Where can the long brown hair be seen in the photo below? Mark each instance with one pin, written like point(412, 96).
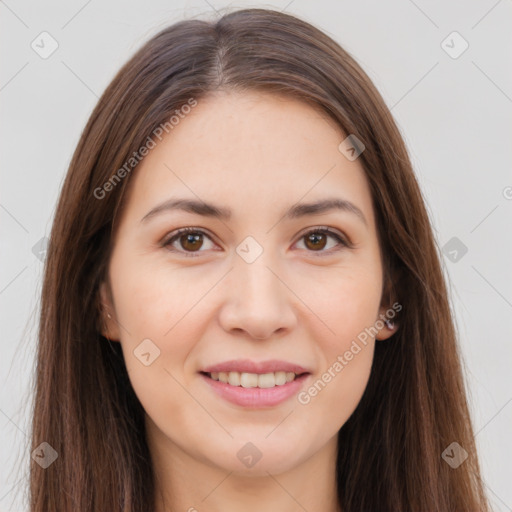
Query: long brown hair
point(415, 403)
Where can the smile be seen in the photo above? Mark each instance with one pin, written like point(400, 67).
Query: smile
point(254, 380)
point(255, 391)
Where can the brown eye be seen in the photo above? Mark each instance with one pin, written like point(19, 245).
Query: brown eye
point(318, 239)
point(188, 241)
point(191, 242)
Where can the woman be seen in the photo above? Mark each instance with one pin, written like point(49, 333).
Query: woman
point(243, 304)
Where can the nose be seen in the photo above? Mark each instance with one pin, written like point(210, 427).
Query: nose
point(258, 301)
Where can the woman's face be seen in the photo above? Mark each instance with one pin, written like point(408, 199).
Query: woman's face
point(250, 295)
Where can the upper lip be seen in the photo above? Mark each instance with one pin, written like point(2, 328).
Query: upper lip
point(248, 366)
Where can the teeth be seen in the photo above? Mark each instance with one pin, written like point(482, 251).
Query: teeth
point(234, 378)
point(254, 380)
point(280, 378)
point(249, 380)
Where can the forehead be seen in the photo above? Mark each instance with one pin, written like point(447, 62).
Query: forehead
point(252, 151)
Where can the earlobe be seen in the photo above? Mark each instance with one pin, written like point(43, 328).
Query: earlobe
point(390, 324)
point(108, 322)
point(387, 326)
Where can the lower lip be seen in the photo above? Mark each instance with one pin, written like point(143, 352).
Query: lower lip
point(256, 397)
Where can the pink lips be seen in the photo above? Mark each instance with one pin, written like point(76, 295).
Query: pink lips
point(256, 398)
point(245, 365)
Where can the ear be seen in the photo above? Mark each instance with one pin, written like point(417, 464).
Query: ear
point(109, 327)
point(387, 323)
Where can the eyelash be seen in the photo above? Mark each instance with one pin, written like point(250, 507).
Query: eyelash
point(319, 230)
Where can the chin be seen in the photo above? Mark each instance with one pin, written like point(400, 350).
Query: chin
point(255, 459)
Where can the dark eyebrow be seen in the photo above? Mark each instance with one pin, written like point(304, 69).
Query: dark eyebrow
point(191, 206)
point(296, 211)
point(324, 206)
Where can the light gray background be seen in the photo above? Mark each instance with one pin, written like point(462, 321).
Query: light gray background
point(454, 114)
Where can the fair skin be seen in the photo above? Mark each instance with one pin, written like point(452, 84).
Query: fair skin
point(299, 301)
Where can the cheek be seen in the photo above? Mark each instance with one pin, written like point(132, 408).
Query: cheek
point(159, 307)
point(335, 391)
point(347, 304)
point(334, 395)
point(165, 307)
point(154, 300)
point(344, 300)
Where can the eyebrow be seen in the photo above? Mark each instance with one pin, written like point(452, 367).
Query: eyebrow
point(296, 211)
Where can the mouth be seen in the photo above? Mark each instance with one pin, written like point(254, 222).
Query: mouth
point(255, 385)
point(253, 390)
point(254, 380)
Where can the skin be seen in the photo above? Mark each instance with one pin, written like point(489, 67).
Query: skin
point(257, 154)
